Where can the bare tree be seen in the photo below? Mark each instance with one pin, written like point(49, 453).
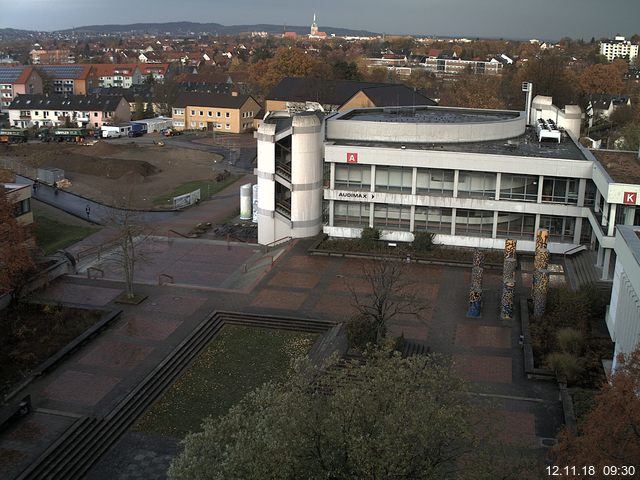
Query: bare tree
point(127, 246)
point(391, 293)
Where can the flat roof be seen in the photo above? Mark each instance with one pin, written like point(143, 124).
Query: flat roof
point(622, 167)
point(426, 114)
point(525, 145)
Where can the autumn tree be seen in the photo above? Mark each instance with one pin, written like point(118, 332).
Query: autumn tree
point(383, 417)
point(610, 434)
point(604, 78)
point(551, 77)
point(473, 91)
point(16, 253)
point(287, 62)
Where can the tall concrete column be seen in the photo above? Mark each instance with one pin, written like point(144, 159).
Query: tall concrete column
point(612, 219)
point(606, 264)
point(540, 185)
point(582, 191)
point(373, 179)
point(456, 177)
point(494, 230)
point(629, 214)
point(453, 221)
point(498, 183)
point(414, 181)
point(577, 232)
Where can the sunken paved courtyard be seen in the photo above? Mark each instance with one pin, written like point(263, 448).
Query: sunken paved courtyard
point(96, 377)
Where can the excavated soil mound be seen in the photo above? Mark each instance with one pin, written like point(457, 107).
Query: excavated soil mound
point(88, 160)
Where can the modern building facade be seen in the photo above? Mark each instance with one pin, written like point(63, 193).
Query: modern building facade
point(473, 177)
point(619, 47)
point(623, 314)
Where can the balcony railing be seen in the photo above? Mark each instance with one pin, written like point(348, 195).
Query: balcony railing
point(283, 207)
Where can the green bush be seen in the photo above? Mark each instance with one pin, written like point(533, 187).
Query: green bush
point(361, 331)
point(423, 242)
point(369, 237)
point(566, 366)
point(570, 340)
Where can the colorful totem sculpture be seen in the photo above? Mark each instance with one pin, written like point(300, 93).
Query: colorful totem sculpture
point(540, 284)
point(475, 291)
point(508, 279)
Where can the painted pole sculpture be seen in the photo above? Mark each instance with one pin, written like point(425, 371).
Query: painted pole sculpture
point(508, 279)
point(540, 286)
point(475, 291)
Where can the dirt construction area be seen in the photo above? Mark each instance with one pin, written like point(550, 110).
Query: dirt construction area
point(108, 172)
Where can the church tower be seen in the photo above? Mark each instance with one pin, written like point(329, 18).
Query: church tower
point(314, 26)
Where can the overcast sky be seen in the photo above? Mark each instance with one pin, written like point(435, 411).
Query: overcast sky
point(518, 19)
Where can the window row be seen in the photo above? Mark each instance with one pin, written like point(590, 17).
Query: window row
point(473, 223)
point(209, 113)
point(431, 181)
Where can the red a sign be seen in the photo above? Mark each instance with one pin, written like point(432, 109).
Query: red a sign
point(352, 157)
point(630, 198)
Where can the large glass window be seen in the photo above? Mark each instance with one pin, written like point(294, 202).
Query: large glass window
point(519, 187)
point(434, 181)
point(476, 184)
point(561, 229)
point(516, 225)
point(433, 219)
point(393, 179)
point(560, 190)
point(474, 223)
point(392, 217)
point(350, 214)
point(353, 176)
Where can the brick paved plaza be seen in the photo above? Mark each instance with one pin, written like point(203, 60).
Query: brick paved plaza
point(485, 350)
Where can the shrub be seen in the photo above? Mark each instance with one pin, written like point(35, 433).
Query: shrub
point(361, 331)
point(369, 236)
point(566, 366)
point(570, 340)
point(423, 242)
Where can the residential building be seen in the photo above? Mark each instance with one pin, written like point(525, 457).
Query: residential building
point(157, 71)
point(619, 47)
point(445, 64)
point(214, 112)
point(54, 110)
point(57, 56)
point(20, 196)
point(68, 79)
point(18, 80)
point(299, 94)
point(623, 313)
point(118, 74)
point(472, 177)
point(601, 106)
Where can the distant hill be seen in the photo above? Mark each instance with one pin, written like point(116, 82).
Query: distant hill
point(185, 28)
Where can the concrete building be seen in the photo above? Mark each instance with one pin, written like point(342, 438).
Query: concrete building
point(623, 313)
point(473, 177)
point(214, 112)
point(619, 47)
point(118, 75)
point(28, 111)
point(569, 117)
point(18, 81)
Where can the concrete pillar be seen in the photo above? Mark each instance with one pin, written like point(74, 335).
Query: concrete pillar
point(596, 206)
point(536, 225)
point(332, 178)
point(606, 264)
point(373, 178)
point(412, 218)
point(453, 221)
point(612, 219)
point(540, 185)
point(577, 233)
point(582, 191)
point(414, 181)
point(605, 214)
point(372, 207)
point(541, 287)
point(494, 231)
point(456, 177)
point(331, 210)
point(600, 256)
point(498, 183)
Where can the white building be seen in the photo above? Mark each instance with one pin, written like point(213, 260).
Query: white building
point(619, 47)
point(473, 177)
point(623, 314)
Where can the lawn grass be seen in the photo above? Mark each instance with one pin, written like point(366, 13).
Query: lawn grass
point(33, 333)
point(52, 235)
point(235, 363)
point(207, 188)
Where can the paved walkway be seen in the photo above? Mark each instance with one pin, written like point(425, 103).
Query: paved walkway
point(95, 378)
